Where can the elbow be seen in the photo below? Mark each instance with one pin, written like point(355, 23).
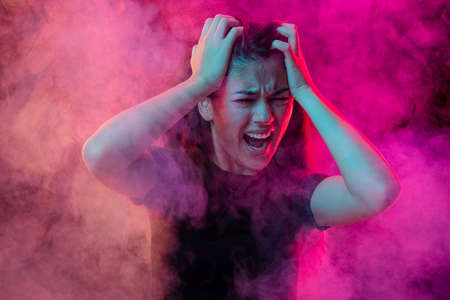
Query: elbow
point(390, 195)
point(382, 197)
point(90, 153)
point(393, 192)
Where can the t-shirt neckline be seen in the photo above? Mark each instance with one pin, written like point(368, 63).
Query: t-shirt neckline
point(233, 175)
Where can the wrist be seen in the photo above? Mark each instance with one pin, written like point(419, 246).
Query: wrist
point(301, 91)
point(198, 87)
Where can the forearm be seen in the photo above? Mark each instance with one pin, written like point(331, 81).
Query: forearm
point(123, 138)
point(366, 173)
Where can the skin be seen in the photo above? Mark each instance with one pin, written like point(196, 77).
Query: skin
point(230, 117)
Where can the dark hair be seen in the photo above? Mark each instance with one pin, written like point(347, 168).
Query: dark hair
point(193, 133)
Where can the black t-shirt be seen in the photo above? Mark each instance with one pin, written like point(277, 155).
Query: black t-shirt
point(248, 230)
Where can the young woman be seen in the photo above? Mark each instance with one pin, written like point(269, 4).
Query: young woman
point(233, 177)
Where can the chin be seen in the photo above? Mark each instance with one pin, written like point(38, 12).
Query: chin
point(257, 165)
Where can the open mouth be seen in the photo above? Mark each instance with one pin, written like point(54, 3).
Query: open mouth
point(257, 142)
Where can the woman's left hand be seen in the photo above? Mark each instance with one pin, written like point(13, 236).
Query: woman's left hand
point(297, 72)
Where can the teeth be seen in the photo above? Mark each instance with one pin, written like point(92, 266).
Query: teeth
point(259, 136)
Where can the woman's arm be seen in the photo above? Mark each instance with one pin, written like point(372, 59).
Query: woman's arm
point(116, 152)
point(123, 138)
point(367, 185)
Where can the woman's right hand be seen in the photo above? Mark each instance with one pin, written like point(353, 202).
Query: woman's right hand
point(210, 57)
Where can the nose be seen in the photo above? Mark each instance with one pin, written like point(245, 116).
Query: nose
point(263, 113)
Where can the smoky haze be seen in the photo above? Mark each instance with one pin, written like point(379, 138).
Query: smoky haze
point(68, 66)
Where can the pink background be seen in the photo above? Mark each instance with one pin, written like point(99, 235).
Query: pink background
point(68, 66)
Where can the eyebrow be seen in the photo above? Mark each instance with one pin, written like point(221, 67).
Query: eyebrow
point(255, 91)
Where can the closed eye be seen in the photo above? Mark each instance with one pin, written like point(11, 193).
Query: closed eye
point(282, 99)
point(276, 99)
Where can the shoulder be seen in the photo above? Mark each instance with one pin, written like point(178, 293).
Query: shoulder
point(305, 181)
point(176, 190)
point(174, 163)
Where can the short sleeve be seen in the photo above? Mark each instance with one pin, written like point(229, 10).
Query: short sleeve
point(313, 181)
point(176, 190)
point(167, 172)
point(301, 204)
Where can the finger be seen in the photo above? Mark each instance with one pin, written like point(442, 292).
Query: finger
point(194, 49)
point(288, 25)
point(205, 27)
point(292, 62)
point(225, 23)
point(285, 48)
point(232, 36)
point(215, 23)
point(292, 36)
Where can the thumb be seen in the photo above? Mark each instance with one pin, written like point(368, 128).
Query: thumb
point(194, 49)
point(286, 49)
point(293, 69)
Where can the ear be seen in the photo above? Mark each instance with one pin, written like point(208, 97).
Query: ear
point(205, 109)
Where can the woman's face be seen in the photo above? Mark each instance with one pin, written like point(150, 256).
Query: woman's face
point(254, 97)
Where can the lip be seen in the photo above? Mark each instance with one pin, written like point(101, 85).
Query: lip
point(261, 131)
point(262, 151)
